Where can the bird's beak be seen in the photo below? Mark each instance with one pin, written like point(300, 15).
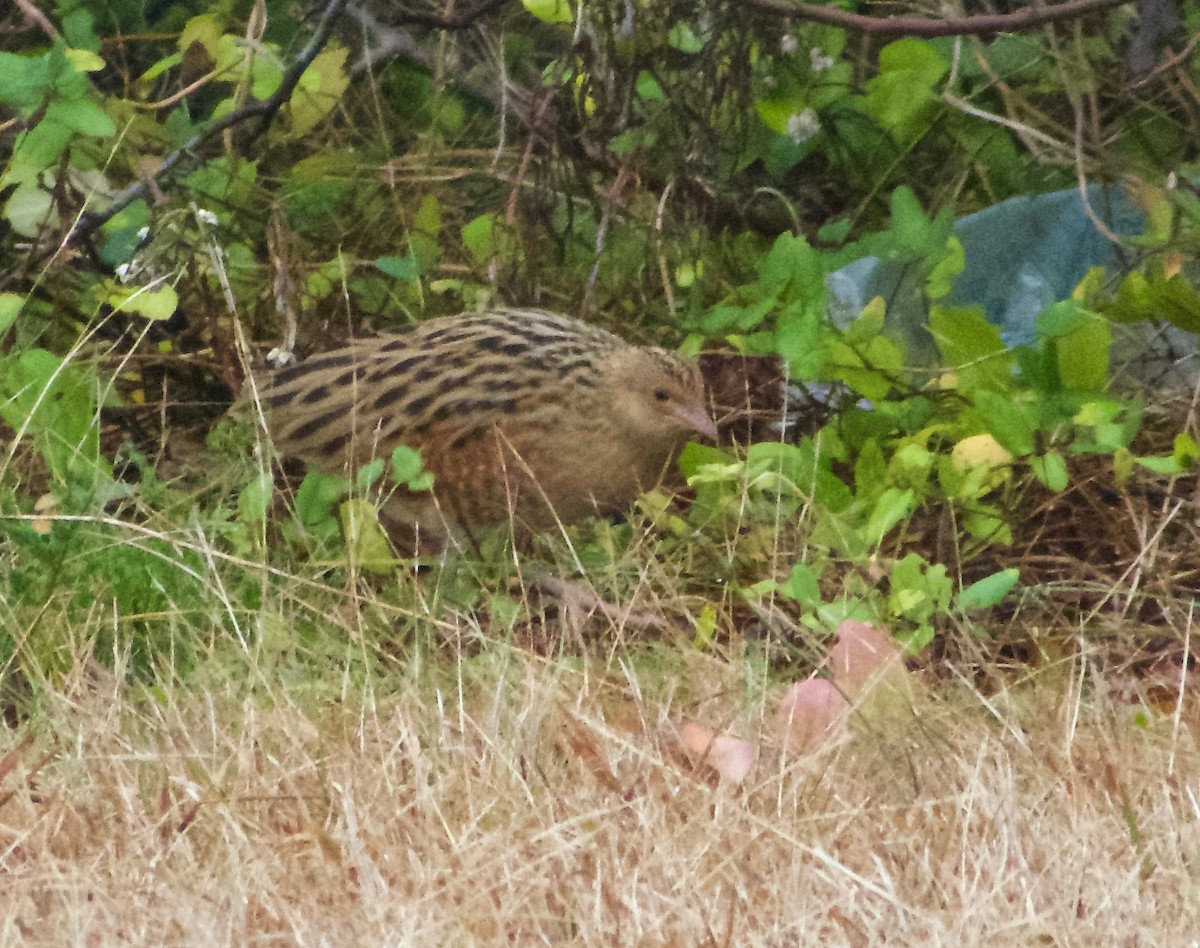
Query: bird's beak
point(697, 418)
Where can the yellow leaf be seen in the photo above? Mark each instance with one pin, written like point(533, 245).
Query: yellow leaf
point(981, 450)
point(84, 60)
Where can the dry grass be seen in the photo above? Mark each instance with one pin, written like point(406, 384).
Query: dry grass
point(535, 800)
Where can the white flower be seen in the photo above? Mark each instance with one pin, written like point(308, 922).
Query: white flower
point(789, 44)
point(207, 217)
point(124, 272)
point(143, 233)
point(818, 61)
point(801, 126)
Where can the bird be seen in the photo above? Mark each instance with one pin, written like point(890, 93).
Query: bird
point(524, 417)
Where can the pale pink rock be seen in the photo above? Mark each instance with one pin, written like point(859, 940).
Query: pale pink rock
point(864, 654)
point(730, 757)
point(810, 713)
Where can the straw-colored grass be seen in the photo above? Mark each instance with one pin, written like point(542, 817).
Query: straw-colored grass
point(506, 797)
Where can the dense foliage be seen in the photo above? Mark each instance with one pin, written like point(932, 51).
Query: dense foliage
point(193, 186)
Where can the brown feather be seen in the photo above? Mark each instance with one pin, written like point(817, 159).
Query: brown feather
point(520, 412)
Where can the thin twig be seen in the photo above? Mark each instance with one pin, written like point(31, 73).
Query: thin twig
point(1169, 63)
point(36, 16)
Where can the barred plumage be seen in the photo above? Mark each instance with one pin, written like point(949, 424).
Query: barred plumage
point(516, 412)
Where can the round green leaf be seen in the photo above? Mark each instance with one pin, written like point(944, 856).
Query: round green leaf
point(151, 302)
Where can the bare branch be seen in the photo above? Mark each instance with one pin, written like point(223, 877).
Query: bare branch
point(34, 15)
point(1021, 21)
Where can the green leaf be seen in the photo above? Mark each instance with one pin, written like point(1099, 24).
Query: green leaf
point(892, 506)
point(919, 590)
point(1154, 296)
point(82, 116)
point(428, 219)
point(10, 305)
point(163, 65)
point(423, 481)
point(367, 546)
point(803, 466)
point(151, 302)
point(870, 367)
point(255, 498)
point(802, 586)
point(54, 401)
point(316, 496)
point(648, 87)
point(402, 268)
point(909, 225)
point(694, 456)
point(1161, 465)
point(29, 208)
point(85, 60)
point(123, 233)
point(986, 525)
point(792, 260)
point(1007, 421)
point(369, 473)
point(24, 81)
point(408, 469)
point(36, 150)
point(78, 29)
point(723, 318)
point(1186, 450)
point(835, 231)
point(481, 237)
point(203, 29)
point(683, 38)
point(972, 348)
point(870, 468)
point(902, 97)
point(988, 591)
point(550, 11)
point(941, 277)
point(798, 338)
point(706, 625)
point(1081, 340)
point(318, 93)
point(1051, 470)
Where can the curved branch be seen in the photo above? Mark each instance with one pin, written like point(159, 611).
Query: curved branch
point(263, 109)
point(1021, 21)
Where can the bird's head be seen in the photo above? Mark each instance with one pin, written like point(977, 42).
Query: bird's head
point(659, 394)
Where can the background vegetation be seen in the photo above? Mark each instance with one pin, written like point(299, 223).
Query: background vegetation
point(195, 188)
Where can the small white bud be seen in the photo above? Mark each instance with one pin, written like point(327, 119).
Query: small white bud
point(789, 44)
point(818, 61)
point(801, 126)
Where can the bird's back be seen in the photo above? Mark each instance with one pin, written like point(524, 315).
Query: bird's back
point(444, 377)
point(493, 401)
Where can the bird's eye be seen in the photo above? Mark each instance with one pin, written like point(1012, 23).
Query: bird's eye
point(662, 395)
